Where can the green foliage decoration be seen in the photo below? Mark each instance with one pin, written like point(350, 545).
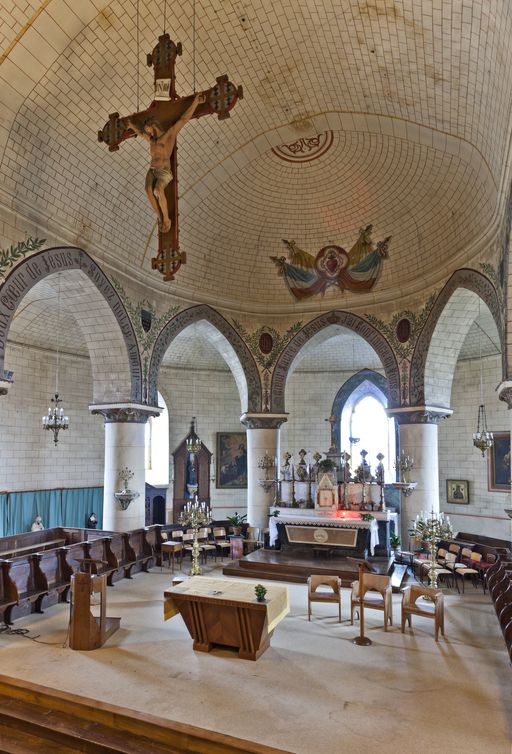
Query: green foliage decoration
point(252, 340)
point(492, 274)
point(146, 339)
point(9, 257)
point(417, 320)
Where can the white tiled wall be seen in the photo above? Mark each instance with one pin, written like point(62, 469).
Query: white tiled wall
point(458, 459)
point(29, 458)
point(212, 397)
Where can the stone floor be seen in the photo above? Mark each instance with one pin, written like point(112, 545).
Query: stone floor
point(312, 692)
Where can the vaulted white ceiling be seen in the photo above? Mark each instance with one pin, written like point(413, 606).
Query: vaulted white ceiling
point(416, 96)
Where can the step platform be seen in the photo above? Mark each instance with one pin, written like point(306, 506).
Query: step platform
point(275, 565)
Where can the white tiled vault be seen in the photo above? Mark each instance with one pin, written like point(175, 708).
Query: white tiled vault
point(416, 93)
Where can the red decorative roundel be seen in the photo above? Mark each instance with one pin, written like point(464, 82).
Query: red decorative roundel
point(266, 343)
point(403, 330)
point(330, 261)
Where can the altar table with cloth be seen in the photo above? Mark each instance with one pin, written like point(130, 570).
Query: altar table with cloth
point(227, 613)
point(345, 530)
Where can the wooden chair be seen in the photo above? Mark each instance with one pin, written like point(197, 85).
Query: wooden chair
point(188, 540)
point(412, 604)
point(377, 596)
point(334, 595)
point(206, 545)
point(221, 542)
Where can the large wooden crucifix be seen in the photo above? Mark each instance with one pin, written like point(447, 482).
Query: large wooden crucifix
point(159, 124)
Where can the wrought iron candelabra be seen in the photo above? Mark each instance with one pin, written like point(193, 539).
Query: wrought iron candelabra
point(431, 529)
point(195, 515)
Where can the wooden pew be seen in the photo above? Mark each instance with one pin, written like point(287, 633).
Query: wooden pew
point(124, 555)
point(57, 572)
point(99, 549)
point(31, 541)
point(29, 583)
point(142, 548)
point(8, 593)
point(155, 539)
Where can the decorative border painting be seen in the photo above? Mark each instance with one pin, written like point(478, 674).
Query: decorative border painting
point(498, 463)
point(457, 491)
point(231, 461)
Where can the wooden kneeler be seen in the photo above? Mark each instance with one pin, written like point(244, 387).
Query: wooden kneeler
point(86, 631)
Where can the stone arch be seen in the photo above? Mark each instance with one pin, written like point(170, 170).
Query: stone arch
point(227, 341)
point(346, 390)
point(344, 319)
point(444, 332)
point(37, 267)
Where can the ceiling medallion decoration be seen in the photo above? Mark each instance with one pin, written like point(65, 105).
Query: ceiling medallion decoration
point(358, 270)
point(305, 149)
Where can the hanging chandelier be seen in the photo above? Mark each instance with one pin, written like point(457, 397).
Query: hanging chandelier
point(192, 441)
point(55, 419)
point(482, 438)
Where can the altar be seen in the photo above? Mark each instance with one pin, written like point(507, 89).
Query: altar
point(346, 532)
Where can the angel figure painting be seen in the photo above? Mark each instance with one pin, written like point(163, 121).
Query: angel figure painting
point(357, 270)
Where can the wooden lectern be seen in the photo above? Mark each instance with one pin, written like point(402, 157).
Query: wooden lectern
point(86, 631)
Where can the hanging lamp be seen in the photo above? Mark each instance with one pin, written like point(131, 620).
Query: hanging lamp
point(55, 419)
point(482, 438)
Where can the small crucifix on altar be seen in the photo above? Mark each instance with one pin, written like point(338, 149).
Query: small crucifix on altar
point(160, 124)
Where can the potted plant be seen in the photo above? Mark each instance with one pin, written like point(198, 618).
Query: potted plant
point(260, 591)
point(237, 521)
point(395, 541)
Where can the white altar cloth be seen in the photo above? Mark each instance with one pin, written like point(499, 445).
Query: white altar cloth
point(311, 516)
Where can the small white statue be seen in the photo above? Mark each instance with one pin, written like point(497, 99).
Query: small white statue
point(38, 524)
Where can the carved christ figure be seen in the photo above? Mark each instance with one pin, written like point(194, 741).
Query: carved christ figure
point(161, 145)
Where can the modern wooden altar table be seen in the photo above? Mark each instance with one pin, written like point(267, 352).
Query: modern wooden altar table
point(226, 613)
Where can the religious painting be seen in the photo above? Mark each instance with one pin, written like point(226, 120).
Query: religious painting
point(457, 491)
point(356, 270)
point(231, 461)
point(498, 463)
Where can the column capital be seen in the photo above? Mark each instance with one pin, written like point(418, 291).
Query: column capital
point(419, 414)
point(504, 391)
point(132, 413)
point(263, 421)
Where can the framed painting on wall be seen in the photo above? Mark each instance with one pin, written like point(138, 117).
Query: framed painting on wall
point(231, 461)
point(457, 491)
point(498, 463)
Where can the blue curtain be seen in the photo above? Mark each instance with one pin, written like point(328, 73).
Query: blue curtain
point(3, 514)
point(23, 507)
point(68, 507)
point(77, 506)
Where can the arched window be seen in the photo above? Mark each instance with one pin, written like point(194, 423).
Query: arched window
point(157, 447)
point(364, 416)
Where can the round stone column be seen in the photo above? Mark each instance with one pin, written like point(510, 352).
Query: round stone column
point(263, 436)
point(419, 439)
point(124, 447)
